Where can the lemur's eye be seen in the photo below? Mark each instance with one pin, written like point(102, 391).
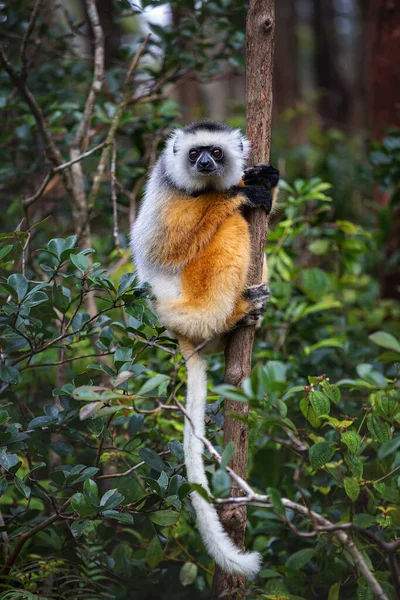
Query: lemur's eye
point(217, 153)
point(193, 154)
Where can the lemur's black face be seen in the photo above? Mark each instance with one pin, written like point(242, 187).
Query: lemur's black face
point(206, 160)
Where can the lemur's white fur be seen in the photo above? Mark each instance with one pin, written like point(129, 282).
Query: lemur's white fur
point(165, 284)
point(236, 149)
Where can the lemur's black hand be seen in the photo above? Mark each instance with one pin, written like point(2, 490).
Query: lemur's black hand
point(262, 175)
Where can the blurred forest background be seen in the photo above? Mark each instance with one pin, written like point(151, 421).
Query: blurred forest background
point(94, 502)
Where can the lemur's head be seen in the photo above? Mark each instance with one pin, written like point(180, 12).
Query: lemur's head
point(206, 155)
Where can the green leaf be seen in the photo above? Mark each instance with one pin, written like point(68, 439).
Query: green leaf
point(80, 261)
point(364, 520)
point(352, 441)
point(188, 574)
point(299, 559)
point(352, 488)
point(355, 465)
point(379, 430)
point(5, 250)
point(176, 448)
point(121, 517)
point(269, 574)
point(389, 447)
point(197, 488)
point(374, 377)
point(164, 518)
point(315, 283)
point(135, 424)
point(364, 593)
point(154, 553)
point(332, 391)
point(275, 497)
point(90, 486)
point(221, 483)
point(320, 403)
point(152, 459)
point(152, 383)
point(321, 453)
point(7, 461)
point(227, 454)
point(21, 487)
point(4, 416)
point(34, 298)
point(231, 392)
point(111, 499)
point(9, 374)
point(386, 340)
point(334, 591)
point(126, 282)
point(309, 413)
point(81, 506)
point(19, 283)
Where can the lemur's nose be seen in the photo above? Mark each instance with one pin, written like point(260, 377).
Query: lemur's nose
point(204, 163)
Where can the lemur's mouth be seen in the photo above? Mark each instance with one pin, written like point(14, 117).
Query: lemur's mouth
point(206, 170)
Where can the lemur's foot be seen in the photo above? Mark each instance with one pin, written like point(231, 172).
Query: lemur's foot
point(262, 175)
point(258, 295)
point(254, 317)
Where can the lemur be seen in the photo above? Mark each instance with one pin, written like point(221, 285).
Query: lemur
point(191, 243)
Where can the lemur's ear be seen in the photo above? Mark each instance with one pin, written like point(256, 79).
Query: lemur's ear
point(175, 146)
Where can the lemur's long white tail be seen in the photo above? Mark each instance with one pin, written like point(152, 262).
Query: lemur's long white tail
point(216, 540)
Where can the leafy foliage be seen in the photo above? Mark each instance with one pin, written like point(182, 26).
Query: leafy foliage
point(104, 449)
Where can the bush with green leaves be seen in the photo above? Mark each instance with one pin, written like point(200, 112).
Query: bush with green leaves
point(94, 496)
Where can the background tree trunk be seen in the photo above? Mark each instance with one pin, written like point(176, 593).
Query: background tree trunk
point(260, 29)
point(330, 83)
point(384, 111)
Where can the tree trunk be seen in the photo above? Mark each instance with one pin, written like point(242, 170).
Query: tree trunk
point(334, 101)
point(384, 111)
point(260, 29)
point(384, 67)
point(286, 78)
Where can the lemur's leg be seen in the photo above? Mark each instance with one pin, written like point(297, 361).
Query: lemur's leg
point(251, 307)
point(211, 285)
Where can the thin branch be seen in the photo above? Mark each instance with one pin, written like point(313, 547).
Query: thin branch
point(26, 536)
point(25, 39)
point(129, 471)
point(98, 75)
point(98, 178)
point(63, 362)
point(114, 196)
point(32, 199)
point(52, 152)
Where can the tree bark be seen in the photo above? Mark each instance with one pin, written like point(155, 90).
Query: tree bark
point(260, 27)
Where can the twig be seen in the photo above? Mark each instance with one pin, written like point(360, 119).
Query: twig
point(98, 178)
point(114, 196)
point(52, 152)
point(25, 39)
point(26, 536)
point(129, 471)
point(63, 362)
point(98, 75)
point(32, 199)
